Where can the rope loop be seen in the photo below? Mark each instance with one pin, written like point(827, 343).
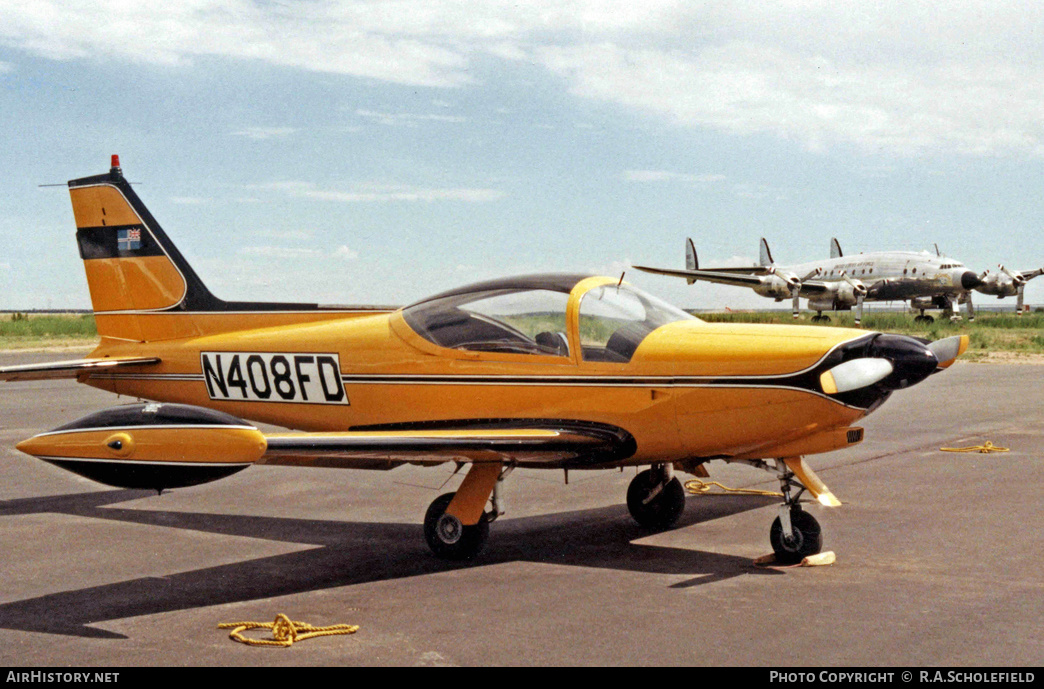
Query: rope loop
point(697, 487)
point(985, 448)
point(284, 631)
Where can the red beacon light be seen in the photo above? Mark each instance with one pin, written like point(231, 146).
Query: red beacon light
point(115, 160)
point(116, 171)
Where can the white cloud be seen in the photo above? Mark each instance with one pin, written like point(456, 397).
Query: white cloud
point(403, 119)
point(263, 133)
point(745, 89)
point(279, 252)
point(890, 76)
point(372, 193)
point(6, 67)
point(667, 176)
point(345, 254)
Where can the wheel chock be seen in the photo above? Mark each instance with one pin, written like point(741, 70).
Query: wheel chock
point(827, 557)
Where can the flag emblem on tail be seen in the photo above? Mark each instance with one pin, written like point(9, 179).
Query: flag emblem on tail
point(128, 240)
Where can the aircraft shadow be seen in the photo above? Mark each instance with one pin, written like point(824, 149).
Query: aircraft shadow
point(348, 553)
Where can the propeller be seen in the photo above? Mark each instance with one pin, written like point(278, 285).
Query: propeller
point(892, 362)
point(859, 291)
point(948, 349)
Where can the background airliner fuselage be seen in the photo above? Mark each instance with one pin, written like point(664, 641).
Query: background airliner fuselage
point(843, 282)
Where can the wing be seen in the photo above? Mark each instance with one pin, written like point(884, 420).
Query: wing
point(814, 287)
point(73, 368)
point(546, 444)
point(175, 445)
point(743, 280)
point(1030, 274)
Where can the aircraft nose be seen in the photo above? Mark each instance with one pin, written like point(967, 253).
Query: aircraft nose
point(969, 279)
point(912, 361)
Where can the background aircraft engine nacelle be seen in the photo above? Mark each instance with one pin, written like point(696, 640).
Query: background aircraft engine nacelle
point(154, 446)
point(842, 296)
point(777, 286)
point(1000, 284)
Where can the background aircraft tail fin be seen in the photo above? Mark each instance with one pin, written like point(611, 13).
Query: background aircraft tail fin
point(766, 255)
point(692, 262)
point(835, 248)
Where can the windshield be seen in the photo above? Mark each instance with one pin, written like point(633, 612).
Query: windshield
point(518, 321)
point(614, 319)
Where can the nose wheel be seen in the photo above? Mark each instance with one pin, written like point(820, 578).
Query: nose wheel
point(448, 537)
point(655, 498)
point(805, 538)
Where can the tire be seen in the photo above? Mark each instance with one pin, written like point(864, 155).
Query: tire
point(450, 540)
point(808, 537)
point(663, 510)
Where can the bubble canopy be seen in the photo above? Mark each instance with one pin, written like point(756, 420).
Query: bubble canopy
point(530, 315)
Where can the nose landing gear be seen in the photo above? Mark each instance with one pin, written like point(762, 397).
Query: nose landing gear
point(795, 534)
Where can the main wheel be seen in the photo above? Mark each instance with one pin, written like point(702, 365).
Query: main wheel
point(807, 540)
point(659, 511)
point(447, 537)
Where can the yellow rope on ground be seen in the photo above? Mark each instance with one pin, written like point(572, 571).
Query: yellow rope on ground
point(985, 448)
point(697, 487)
point(284, 631)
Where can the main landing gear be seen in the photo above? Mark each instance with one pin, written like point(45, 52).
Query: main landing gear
point(656, 498)
point(456, 525)
point(820, 318)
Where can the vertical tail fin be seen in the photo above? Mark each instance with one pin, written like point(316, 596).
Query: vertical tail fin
point(835, 248)
point(133, 269)
point(692, 262)
point(766, 255)
point(128, 266)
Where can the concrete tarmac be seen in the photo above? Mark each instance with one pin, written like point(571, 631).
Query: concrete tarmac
point(938, 556)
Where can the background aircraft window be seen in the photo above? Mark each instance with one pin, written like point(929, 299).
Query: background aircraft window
point(527, 321)
point(614, 321)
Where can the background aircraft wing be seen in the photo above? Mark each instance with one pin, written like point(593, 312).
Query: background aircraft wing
point(73, 368)
point(744, 280)
point(566, 444)
point(815, 286)
point(1030, 274)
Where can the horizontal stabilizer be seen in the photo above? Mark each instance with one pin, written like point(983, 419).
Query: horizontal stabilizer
point(706, 275)
point(73, 368)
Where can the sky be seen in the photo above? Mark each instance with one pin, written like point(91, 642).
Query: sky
point(379, 152)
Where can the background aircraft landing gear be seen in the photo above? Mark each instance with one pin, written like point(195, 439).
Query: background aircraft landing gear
point(820, 318)
point(656, 498)
point(923, 318)
point(447, 537)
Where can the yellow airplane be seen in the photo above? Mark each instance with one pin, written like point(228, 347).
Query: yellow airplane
point(543, 371)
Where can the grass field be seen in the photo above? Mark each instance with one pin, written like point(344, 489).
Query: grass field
point(20, 331)
point(990, 332)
